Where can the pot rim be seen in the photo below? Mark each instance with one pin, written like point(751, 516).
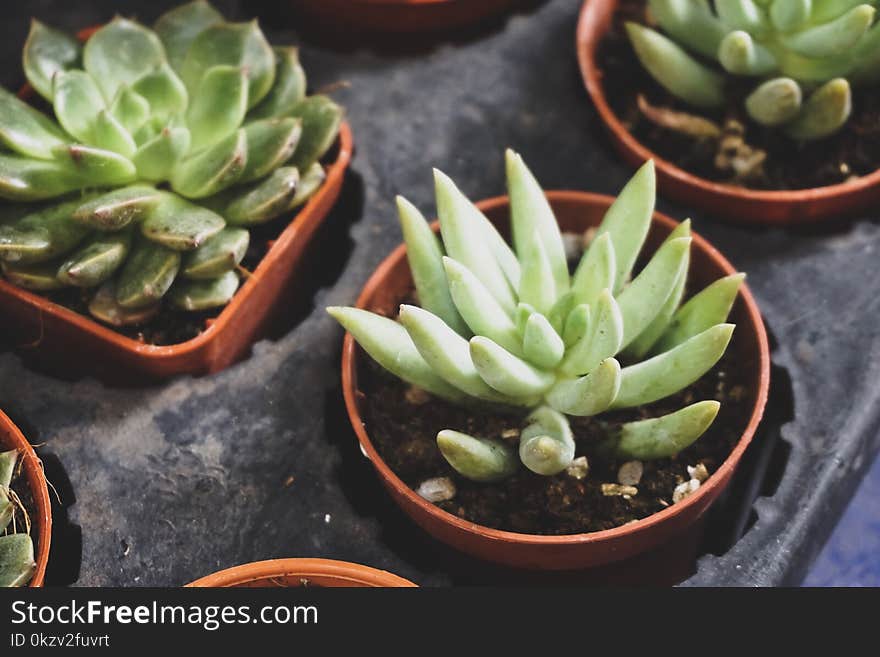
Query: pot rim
point(288, 236)
point(32, 466)
point(302, 567)
point(349, 373)
point(588, 38)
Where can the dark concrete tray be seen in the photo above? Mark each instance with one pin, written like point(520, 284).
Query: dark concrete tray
point(169, 483)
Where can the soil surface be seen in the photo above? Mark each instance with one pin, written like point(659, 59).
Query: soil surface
point(403, 423)
point(851, 152)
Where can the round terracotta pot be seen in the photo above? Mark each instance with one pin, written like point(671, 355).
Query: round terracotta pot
point(576, 212)
point(735, 203)
point(41, 514)
point(402, 16)
point(301, 572)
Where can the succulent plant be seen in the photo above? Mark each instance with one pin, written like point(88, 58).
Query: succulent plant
point(806, 54)
point(511, 328)
point(16, 548)
point(166, 145)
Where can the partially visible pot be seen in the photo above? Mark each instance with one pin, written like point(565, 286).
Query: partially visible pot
point(41, 514)
point(735, 203)
point(301, 572)
point(576, 212)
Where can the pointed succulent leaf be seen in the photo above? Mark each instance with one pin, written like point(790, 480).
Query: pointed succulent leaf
point(42, 235)
point(775, 102)
point(826, 10)
point(156, 158)
point(25, 130)
point(521, 316)
point(463, 229)
point(834, 37)
point(681, 75)
point(673, 370)
point(506, 373)
point(536, 284)
point(691, 23)
point(541, 343)
point(704, 310)
point(241, 45)
point(103, 306)
point(321, 119)
point(445, 352)
point(119, 52)
point(587, 395)
point(178, 224)
point(130, 108)
point(218, 255)
point(628, 220)
point(164, 91)
point(388, 343)
point(602, 339)
point(425, 256)
point(213, 169)
point(866, 59)
point(531, 216)
point(8, 461)
point(477, 459)
point(561, 310)
point(204, 294)
point(218, 105)
point(96, 261)
point(115, 210)
point(289, 88)
point(108, 133)
point(597, 269)
point(309, 183)
point(26, 179)
point(147, 274)
point(96, 167)
point(824, 113)
point(257, 202)
point(46, 52)
point(179, 27)
point(742, 15)
point(788, 15)
point(577, 324)
point(17, 565)
point(546, 445)
point(270, 144)
point(77, 103)
point(644, 298)
point(740, 54)
point(664, 436)
point(40, 277)
point(478, 307)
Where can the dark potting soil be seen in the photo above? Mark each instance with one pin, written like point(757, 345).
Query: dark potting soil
point(403, 423)
point(852, 152)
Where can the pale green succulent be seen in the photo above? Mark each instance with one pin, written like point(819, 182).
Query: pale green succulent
point(17, 563)
point(506, 327)
point(169, 143)
point(817, 47)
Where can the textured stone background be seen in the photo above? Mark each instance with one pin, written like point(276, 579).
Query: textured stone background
point(171, 482)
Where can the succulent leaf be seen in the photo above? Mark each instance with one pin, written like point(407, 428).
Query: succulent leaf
point(17, 564)
point(164, 91)
point(178, 224)
point(27, 131)
point(288, 90)
point(536, 285)
point(257, 202)
point(541, 343)
point(204, 294)
point(478, 459)
point(309, 183)
point(42, 235)
point(218, 105)
point(601, 340)
point(8, 461)
point(270, 143)
point(156, 158)
point(95, 167)
point(212, 170)
point(180, 26)
point(690, 22)
point(321, 119)
point(740, 54)
point(577, 324)
point(77, 103)
point(108, 133)
point(834, 37)
point(104, 307)
point(664, 436)
point(46, 52)
point(597, 269)
point(147, 274)
point(824, 112)
point(117, 209)
point(218, 255)
point(590, 394)
point(788, 15)
point(39, 277)
point(741, 15)
point(546, 445)
point(506, 373)
point(130, 108)
point(775, 102)
point(96, 261)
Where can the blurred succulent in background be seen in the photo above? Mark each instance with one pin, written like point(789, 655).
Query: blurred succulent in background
point(166, 145)
point(501, 327)
point(806, 53)
point(17, 563)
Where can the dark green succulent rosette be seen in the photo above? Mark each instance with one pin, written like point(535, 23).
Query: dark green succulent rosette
point(165, 147)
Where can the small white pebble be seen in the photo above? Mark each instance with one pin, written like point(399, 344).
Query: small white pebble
point(630, 473)
point(698, 472)
point(438, 489)
point(510, 434)
point(684, 489)
point(579, 468)
point(610, 490)
point(327, 518)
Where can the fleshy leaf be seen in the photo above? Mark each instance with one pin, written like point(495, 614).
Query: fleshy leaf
point(577, 324)
point(40, 277)
point(219, 254)
point(692, 23)
point(506, 373)
point(289, 88)
point(96, 167)
point(17, 565)
point(590, 394)
point(258, 202)
point(546, 445)
point(180, 26)
point(824, 113)
point(25, 130)
point(218, 106)
point(602, 338)
point(108, 133)
point(321, 118)
point(213, 169)
point(26, 179)
point(541, 343)
point(536, 285)
point(130, 108)
point(42, 235)
point(204, 294)
point(834, 37)
point(309, 183)
point(46, 52)
point(115, 210)
point(596, 271)
point(77, 103)
point(665, 436)
point(270, 144)
point(164, 91)
point(740, 54)
point(178, 224)
point(478, 459)
point(775, 102)
point(741, 15)
point(8, 461)
point(146, 276)
point(156, 158)
point(104, 307)
point(96, 261)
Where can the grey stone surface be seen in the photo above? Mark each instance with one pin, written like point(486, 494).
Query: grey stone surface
point(174, 481)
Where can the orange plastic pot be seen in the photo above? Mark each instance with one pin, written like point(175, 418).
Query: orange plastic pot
point(41, 514)
point(575, 211)
point(735, 203)
point(301, 572)
point(402, 16)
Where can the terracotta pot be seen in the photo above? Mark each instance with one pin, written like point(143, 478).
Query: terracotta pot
point(402, 16)
point(575, 211)
point(301, 572)
point(735, 203)
point(41, 514)
point(57, 335)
